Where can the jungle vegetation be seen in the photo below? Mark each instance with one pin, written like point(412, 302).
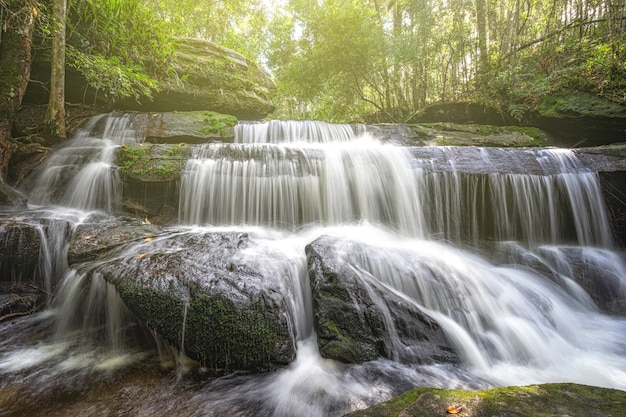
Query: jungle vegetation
point(343, 60)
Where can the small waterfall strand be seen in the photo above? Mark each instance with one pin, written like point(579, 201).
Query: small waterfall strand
point(279, 131)
point(564, 206)
point(82, 174)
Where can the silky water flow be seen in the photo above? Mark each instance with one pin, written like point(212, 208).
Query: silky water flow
point(487, 256)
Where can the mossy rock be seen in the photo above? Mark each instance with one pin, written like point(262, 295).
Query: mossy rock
point(574, 104)
point(205, 75)
point(191, 289)
point(547, 400)
point(453, 134)
point(580, 119)
point(152, 163)
point(352, 327)
point(190, 127)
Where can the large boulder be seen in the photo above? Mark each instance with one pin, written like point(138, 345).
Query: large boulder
point(572, 118)
point(196, 292)
point(358, 321)
point(462, 113)
point(580, 119)
point(203, 76)
point(211, 77)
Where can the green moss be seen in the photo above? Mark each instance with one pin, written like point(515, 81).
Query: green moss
point(540, 138)
point(577, 104)
point(217, 122)
point(453, 134)
point(152, 163)
point(529, 401)
point(224, 335)
point(161, 310)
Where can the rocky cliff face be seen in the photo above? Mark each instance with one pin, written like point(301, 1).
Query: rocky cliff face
point(572, 118)
point(203, 76)
point(207, 76)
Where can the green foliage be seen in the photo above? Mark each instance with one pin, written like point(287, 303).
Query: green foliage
point(385, 60)
point(110, 76)
point(119, 46)
point(236, 24)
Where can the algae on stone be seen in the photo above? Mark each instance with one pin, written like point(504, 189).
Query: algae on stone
point(547, 400)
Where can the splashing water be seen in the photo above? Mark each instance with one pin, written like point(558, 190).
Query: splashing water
point(497, 246)
point(82, 174)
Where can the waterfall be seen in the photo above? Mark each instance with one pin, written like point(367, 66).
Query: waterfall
point(82, 174)
point(286, 131)
point(289, 187)
point(357, 179)
point(509, 252)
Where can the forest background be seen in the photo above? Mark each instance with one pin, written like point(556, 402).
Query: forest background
point(354, 60)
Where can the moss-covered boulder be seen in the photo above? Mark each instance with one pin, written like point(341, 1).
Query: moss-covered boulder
point(354, 318)
point(454, 134)
point(197, 293)
point(548, 400)
point(207, 76)
point(202, 76)
point(580, 119)
point(462, 113)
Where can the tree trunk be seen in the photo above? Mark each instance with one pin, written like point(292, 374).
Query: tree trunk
point(56, 105)
point(15, 58)
point(481, 29)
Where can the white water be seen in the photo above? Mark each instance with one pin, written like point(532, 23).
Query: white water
point(82, 174)
point(459, 247)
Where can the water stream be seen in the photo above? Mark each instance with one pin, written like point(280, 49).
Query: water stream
point(488, 256)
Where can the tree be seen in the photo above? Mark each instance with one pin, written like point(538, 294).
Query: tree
point(55, 118)
point(15, 59)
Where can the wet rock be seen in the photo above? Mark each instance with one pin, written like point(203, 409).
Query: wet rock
point(10, 196)
point(190, 127)
point(31, 258)
point(20, 300)
point(535, 400)
point(96, 238)
point(194, 290)
point(600, 273)
point(20, 246)
point(351, 316)
point(454, 134)
point(151, 177)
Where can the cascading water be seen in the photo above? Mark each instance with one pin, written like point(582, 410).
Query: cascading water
point(500, 258)
point(82, 175)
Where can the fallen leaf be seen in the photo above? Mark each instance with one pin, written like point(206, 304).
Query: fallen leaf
point(141, 255)
point(454, 409)
point(148, 239)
